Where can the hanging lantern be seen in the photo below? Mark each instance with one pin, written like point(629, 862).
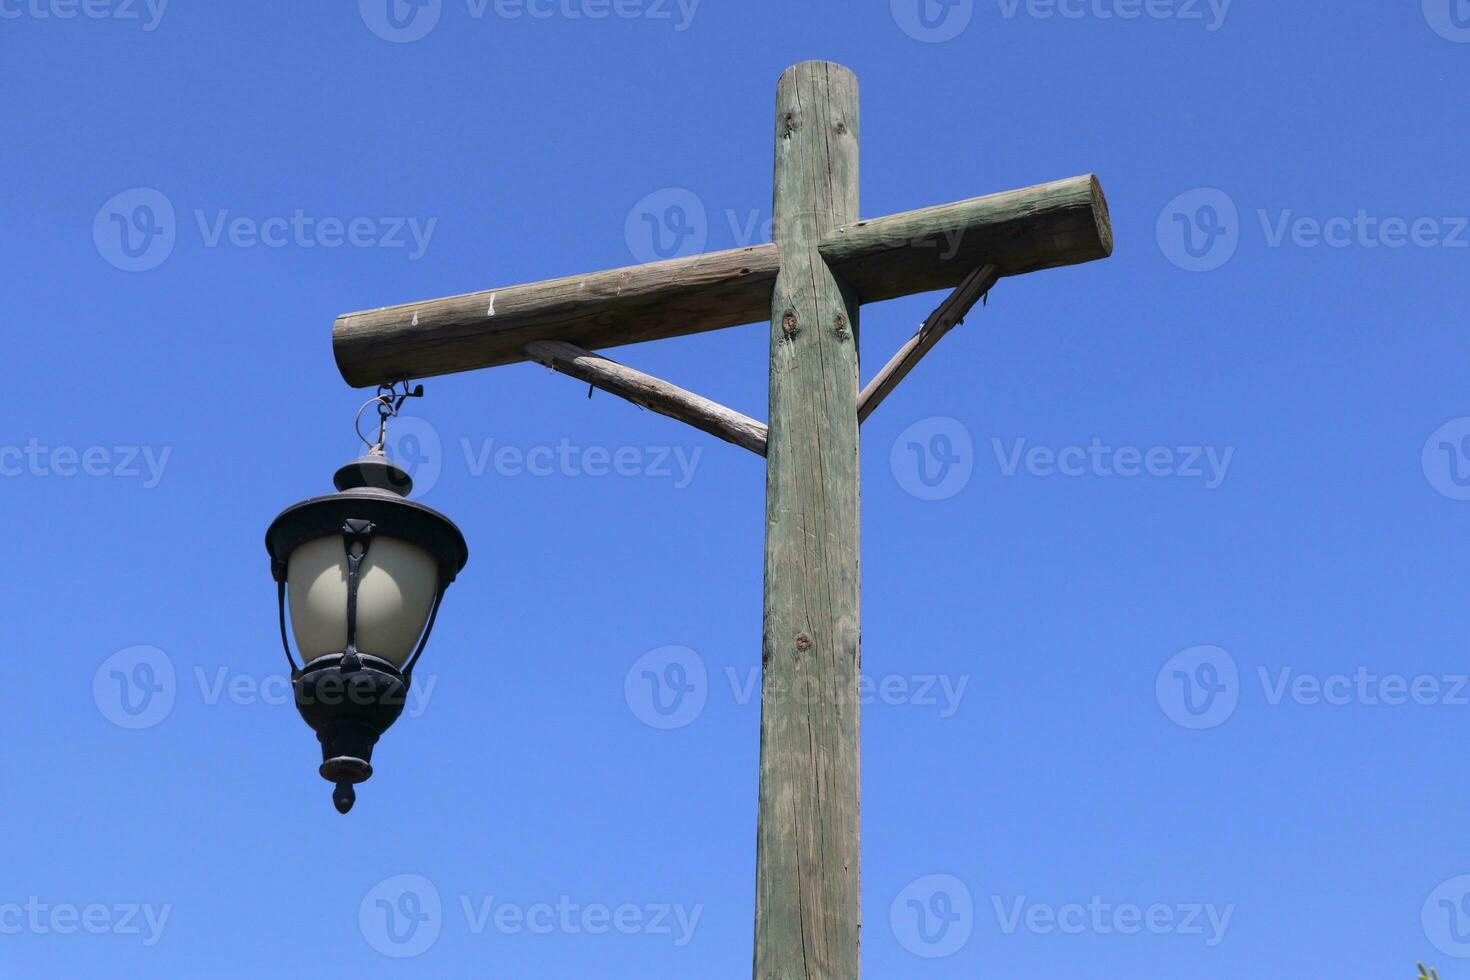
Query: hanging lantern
point(362, 572)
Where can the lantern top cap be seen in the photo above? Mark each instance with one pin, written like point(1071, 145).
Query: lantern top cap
point(374, 471)
point(369, 488)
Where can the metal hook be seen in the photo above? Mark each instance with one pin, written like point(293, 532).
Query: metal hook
point(389, 401)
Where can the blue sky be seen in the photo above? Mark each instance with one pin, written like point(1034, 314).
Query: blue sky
point(1164, 630)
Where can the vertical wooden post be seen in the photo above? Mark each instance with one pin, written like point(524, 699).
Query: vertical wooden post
point(807, 911)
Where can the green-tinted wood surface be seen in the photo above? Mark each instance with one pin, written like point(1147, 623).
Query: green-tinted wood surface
point(1061, 223)
point(807, 895)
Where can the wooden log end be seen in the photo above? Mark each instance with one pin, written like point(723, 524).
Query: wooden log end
point(816, 64)
point(1101, 216)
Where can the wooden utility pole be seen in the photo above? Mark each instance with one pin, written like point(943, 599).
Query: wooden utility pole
point(811, 280)
point(807, 911)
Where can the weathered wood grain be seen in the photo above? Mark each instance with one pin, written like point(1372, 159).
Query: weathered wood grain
point(949, 313)
point(1061, 223)
point(807, 908)
point(606, 309)
point(650, 392)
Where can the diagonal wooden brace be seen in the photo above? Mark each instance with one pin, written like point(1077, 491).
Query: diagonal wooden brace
point(950, 313)
point(650, 392)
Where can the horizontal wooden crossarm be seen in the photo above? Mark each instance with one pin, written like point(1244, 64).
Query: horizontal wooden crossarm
point(950, 313)
point(1061, 223)
point(650, 392)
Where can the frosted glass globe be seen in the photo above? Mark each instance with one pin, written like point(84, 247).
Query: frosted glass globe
point(395, 592)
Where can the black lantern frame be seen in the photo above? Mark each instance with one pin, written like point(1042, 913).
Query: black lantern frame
point(349, 698)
